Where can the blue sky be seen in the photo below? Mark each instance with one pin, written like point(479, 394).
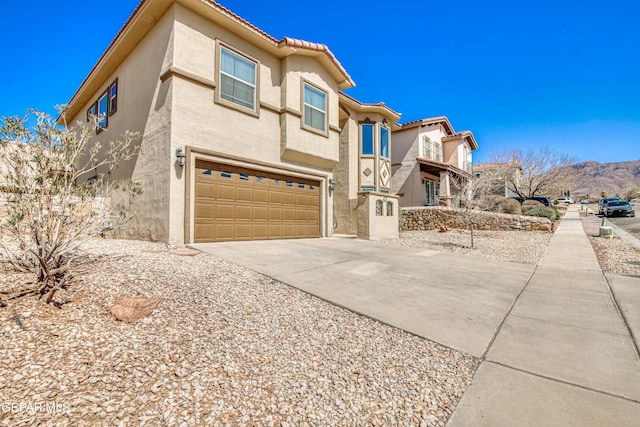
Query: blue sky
point(562, 73)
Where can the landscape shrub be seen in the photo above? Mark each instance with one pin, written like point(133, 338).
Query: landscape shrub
point(501, 204)
point(530, 204)
point(543, 211)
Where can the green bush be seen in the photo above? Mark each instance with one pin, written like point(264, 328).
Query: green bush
point(543, 211)
point(530, 204)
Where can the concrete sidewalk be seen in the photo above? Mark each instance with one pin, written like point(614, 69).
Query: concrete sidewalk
point(564, 355)
point(555, 349)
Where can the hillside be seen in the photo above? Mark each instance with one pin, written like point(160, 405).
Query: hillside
point(613, 178)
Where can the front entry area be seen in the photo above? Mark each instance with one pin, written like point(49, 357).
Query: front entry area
point(233, 203)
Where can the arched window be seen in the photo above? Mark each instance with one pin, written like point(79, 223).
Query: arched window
point(378, 207)
point(389, 209)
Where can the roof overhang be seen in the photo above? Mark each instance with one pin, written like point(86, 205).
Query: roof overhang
point(378, 108)
point(434, 167)
point(432, 121)
point(146, 15)
point(466, 136)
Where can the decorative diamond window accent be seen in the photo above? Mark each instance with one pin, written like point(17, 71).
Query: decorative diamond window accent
point(367, 172)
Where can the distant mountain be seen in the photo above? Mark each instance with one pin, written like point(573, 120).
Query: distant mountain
point(613, 178)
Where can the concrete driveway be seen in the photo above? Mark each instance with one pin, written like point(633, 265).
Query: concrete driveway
point(430, 294)
point(558, 341)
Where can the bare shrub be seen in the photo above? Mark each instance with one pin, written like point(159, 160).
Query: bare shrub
point(530, 204)
point(51, 206)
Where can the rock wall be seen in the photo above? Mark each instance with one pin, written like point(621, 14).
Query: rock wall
point(433, 217)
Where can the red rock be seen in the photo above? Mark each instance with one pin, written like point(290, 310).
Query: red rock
point(132, 309)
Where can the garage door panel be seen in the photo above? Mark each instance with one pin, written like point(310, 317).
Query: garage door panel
point(260, 214)
point(288, 214)
point(225, 212)
point(244, 213)
point(244, 194)
point(225, 192)
point(275, 214)
point(233, 203)
point(289, 199)
point(260, 196)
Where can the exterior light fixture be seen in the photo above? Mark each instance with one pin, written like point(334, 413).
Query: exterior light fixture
point(332, 185)
point(180, 156)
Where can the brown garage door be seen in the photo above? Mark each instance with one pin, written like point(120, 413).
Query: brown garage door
point(242, 204)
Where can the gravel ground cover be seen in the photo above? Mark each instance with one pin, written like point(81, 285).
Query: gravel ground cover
point(226, 346)
point(526, 247)
point(614, 254)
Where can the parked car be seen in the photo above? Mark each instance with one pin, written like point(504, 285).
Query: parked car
point(619, 207)
point(565, 200)
point(602, 203)
point(584, 201)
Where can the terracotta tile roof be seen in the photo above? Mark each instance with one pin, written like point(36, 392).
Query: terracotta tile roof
point(465, 134)
point(351, 99)
point(430, 121)
point(285, 42)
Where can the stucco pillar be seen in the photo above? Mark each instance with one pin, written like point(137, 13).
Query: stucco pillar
point(444, 192)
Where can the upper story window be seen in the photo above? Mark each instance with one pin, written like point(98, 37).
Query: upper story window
point(432, 149)
point(315, 108)
point(384, 142)
point(105, 106)
point(113, 97)
point(237, 79)
point(367, 139)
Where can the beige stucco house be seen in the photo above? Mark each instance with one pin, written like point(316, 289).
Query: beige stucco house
point(429, 158)
point(241, 133)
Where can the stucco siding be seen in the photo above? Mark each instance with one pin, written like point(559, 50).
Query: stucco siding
point(144, 106)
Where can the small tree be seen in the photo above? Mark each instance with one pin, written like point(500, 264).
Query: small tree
point(471, 195)
point(541, 171)
point(52, 207)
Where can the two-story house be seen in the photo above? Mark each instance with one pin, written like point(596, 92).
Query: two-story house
point(430, 161)
point(240, 132)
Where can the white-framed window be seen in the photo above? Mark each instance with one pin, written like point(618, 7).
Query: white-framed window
point(366, 135)
point(431, 149)
point(430, 192)
point(238, 77)
point(315, 108)
point(384, 142)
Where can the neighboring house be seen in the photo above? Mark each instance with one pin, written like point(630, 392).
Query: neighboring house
point(363, 200)
point(430, 161)
point(497, 176)
point(240, 132)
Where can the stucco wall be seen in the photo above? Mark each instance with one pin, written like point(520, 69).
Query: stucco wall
point(144, 106)
point(433, 217)
point(372, 226)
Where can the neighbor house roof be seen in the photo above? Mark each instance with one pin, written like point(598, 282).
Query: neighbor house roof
point(145, 16)
point(443, 120)
point(466, 135)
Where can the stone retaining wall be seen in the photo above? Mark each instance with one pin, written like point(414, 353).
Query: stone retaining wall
point(433, 217)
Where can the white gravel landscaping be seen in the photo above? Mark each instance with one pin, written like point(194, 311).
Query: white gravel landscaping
point(226, 346)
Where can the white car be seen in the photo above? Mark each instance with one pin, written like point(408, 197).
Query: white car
point(565, 200)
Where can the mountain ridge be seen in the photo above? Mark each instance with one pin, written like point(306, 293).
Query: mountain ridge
point(613, 178)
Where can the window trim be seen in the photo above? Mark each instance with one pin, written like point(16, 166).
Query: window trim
point(105, 95)
point(373, 138)
point(113, 100)
point(90, 113)
point(325, 132)
point(217, 98)
point(388, 156)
